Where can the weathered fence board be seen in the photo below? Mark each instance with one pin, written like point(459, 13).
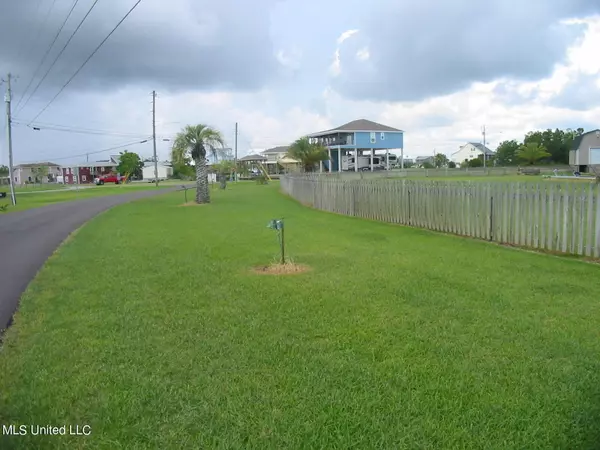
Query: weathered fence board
point(551, 216)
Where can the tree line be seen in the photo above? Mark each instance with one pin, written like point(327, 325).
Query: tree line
point(546, 147)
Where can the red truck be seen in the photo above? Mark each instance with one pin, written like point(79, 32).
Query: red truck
point(117, 179)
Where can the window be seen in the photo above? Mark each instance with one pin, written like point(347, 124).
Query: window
point(373, 138)
point(382, 136)
point(83, 178)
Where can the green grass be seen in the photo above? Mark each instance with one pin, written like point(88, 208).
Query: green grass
point(35, 188)
point(37, 199)
point(149, 327)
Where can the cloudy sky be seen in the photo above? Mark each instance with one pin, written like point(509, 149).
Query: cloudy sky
point(437, 69)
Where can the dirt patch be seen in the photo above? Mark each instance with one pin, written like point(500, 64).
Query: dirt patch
point(281, 269)
point(194, 204)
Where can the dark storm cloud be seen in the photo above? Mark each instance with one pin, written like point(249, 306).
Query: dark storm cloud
point(581, 93)
point(428, 48)
point(171, 45)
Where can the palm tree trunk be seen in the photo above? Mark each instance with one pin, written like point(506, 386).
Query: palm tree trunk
point(202, 191)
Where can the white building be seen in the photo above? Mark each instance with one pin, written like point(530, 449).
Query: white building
point(470, 151)
point(26, 173)
point(165, 171)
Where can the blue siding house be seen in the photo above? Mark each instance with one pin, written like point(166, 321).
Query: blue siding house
point(348, 143)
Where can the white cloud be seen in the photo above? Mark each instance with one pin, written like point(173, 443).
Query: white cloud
point(363, 54)
point(336, 68)
point(345, 35)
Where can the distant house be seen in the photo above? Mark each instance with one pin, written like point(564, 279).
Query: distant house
point(585, 151)
point(358, 138)
point(420, 160)
point(164, 171)
point(471, 150)
point(26, 173)
point(85, 173)
point(273, 156)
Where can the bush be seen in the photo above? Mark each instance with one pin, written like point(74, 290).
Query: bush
point(451, 165)
point(475, 162)
point(261, 179)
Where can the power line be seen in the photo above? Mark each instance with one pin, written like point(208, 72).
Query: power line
point(67, 129)
point(87, 60)
point(22, 47)
point(45, 56)
point(41, 27)
point(95, 152)
point(60, 53)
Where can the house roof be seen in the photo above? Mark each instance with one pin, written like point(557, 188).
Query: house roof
point(92, 164)
point(39, 164)
point(578, 139)
point(280, 149)
point(479, 147)
point(253, 158)
point(162, 164)
point(358, 125)
point(286, 160)
point(423, 158)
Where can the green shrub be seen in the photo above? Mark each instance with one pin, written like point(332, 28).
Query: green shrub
point(261, 179)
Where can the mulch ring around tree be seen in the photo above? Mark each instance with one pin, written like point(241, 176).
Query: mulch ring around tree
point(194, 204)
point(281, 269)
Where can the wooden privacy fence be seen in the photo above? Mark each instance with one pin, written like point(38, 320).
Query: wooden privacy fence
point(562, 217)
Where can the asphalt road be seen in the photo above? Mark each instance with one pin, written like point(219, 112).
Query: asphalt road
point(28, 238)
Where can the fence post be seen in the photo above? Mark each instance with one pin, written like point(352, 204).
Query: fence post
point(491, 218)
point(408, 195)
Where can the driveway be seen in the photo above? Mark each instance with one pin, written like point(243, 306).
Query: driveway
point(28, 238)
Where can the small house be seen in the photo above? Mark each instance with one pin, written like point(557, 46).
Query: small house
point(471, 150)
point(164, 171)
point(585, 151)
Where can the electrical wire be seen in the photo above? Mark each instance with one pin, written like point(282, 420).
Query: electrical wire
point(44, 58)
point(61, 52)
point(69, 129)
point(22, 47)
point(87, 60)
point(38, 36)
point(95, 152)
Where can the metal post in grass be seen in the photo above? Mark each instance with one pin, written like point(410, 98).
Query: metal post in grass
point(277, 224)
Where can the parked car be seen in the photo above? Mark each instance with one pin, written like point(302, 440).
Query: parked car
point(117, 179)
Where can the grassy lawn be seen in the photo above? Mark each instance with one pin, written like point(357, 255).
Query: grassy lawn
point(398, 337)
point(37, 199)
point(34, 188)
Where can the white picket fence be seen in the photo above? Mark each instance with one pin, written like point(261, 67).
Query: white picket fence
point(559, 217)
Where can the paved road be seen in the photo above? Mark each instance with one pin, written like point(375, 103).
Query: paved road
point(28, 238)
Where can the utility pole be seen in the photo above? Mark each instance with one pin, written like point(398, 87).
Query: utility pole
point(484, 151)
point(154, 136)
point(8, 99)
point(235, 157)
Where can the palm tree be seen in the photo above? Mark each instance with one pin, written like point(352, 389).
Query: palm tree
point(195, 141)
point(532, 152)
point(309, 155)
